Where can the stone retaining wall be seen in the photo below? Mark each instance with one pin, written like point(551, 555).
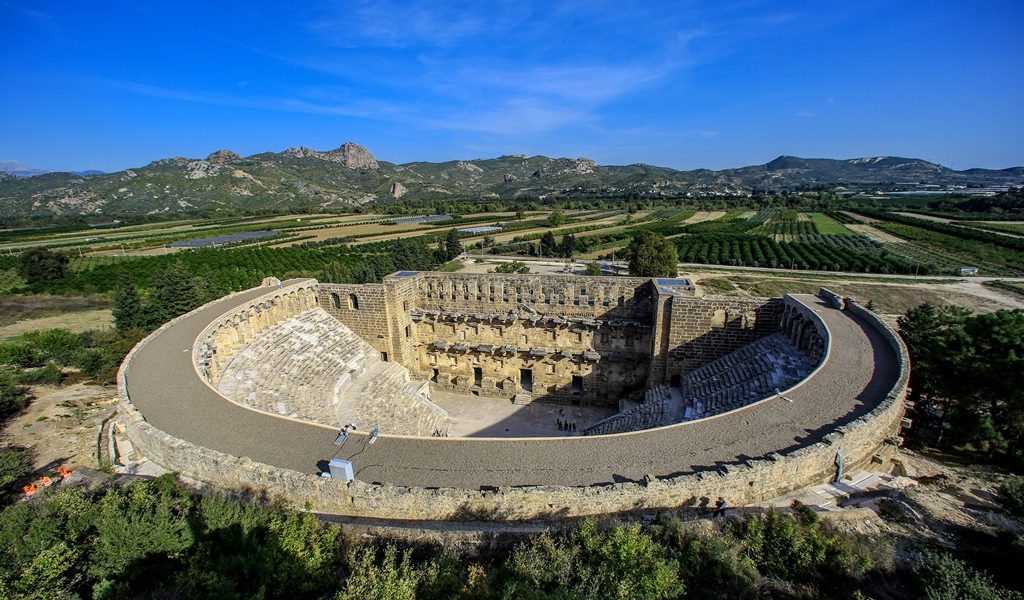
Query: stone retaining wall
point(701, 330)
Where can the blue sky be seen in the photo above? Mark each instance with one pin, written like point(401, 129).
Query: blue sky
point(110, 85)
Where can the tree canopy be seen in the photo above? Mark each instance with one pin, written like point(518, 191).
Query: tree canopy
point(38, 265)
point(651, 255)
point(967, 373)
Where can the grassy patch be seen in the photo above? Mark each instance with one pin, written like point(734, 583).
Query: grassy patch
point(451, 267)
point(828, 226)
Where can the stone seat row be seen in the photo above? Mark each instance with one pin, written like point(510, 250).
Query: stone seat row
point(747, 375)
point(654, 411)
point(388, 398)
point(315, 368)
point(294, 368)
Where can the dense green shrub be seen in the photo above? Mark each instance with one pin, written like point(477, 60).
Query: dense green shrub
point(1011, 496)
point(15, 463)
point(48, 375)
point(13, 395)
point(621, 562)
point(39, 265)
point(943, 577)
point(58, 346)
point(392, 578)
point(20, 354)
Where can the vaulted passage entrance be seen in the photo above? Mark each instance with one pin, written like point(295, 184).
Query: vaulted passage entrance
point(526, 379)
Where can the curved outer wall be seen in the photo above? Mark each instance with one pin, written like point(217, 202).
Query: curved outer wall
point(748, 482)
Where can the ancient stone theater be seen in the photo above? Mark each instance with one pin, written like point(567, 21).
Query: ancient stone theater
point(441, 396)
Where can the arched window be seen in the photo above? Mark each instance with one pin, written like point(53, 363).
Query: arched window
point(335, 300)
point(353, 302)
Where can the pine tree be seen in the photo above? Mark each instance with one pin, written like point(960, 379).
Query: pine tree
point(128, 309)
point(568, 247)
point(452, 246)
point(175, 294)
point(548, 247)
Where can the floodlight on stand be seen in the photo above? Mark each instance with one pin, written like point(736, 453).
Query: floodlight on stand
point(374, 434)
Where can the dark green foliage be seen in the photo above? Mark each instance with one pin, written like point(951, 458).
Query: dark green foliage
point(943, 577)
point(224, 269)
point(39, 265)
point(512, 267)
point(414, 254)
point(175, 293)
point(15, 463)
point(556, 218)
point(392, 578)
point(20, 354)
point(548, 246)
point(58, 346)
point(13, 395)
point(651, 255)
point(568, 247)
point(103, 353)
point(450, 248)
point(48, 375)
point(155, 539)
point(796, 548)
point(621, 562)
point(140, 532)
point(966, 376)
point(593, 269)
point(819, 252)
point(1011, 496)
point(128, 312)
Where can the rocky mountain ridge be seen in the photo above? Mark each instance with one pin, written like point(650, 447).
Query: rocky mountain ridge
point(304, 178)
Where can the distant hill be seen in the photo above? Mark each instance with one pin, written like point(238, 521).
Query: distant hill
point(303, 178)
point(18, 169)
point(13, 167)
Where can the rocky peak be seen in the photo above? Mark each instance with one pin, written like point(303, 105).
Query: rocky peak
point(223, 156)
point(350, 154)
point(565, 166)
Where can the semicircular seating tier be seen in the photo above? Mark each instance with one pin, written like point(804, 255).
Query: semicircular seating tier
point(313, 367)
point(752, 373)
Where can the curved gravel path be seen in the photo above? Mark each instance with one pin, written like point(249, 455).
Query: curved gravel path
point(163, 384)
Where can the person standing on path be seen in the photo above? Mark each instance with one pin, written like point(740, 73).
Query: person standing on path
point(720, 506)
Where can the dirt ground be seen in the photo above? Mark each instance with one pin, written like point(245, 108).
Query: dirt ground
point(17, 308)
point(886, 297)
point(62, 425)
point(952, 507)
point(75, 322)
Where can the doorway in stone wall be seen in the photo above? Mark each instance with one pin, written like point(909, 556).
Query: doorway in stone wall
point(526, 379)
